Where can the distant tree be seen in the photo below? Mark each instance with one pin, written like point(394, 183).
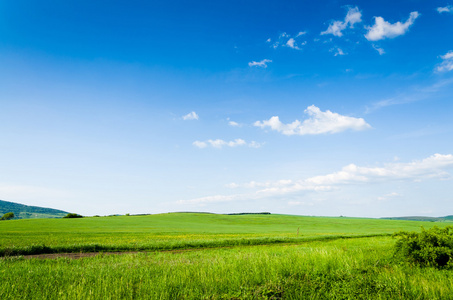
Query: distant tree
point(71, 216)
point(8, 216)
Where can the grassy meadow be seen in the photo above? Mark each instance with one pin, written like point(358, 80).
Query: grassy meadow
point(211, 256)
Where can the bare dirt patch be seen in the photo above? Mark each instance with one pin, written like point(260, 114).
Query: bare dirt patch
point(72, 255)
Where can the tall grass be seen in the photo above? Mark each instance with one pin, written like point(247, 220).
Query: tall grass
point(338, 269)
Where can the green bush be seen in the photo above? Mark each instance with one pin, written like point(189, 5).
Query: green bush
point(7, 216)
point(70, 216)
point(432, 247)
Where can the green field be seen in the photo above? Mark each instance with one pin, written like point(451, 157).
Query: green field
point(208, 256)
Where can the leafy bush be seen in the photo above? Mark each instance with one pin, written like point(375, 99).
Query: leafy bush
point(7, 216)
point(73, 216)
point(432, 247)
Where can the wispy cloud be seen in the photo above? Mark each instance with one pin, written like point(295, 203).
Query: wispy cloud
point(397, 100)
point(414, 95)
point(353, 16)
point(383, 29)
point(337, 51)
point(447, 62)
point(234, 124)
point(285, 40)
point(262, 64)
point(218, 143)
point(379, 50)
point(190, 116)
point(301, 33)
point(319, 122)
point(388, 196)
point(434, 166)
point(446, 9)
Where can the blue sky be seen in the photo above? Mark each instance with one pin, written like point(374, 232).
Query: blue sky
point(302, 107)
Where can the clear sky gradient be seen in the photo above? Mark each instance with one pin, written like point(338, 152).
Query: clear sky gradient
point(302, 107)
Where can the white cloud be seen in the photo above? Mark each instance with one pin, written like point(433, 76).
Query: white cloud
point(301, 33)
point(446, 9)
point(200, 144)
point(449, 55)
point(254, 144)
point(337, 51)
point(447, 63)
point(379, 50)
point(218, 143)
point(352, 17)
point(383, 29)
point(262, 63)
point(285, 40)
point(234, 124)
point(190, 116)
point(319, 122)
point(335, 28)
point(434, 166)
point(292, 44)
point(430, 167)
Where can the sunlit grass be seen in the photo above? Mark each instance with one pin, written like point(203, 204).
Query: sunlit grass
point(180, 230)
point(345, 269)
point(203, 256)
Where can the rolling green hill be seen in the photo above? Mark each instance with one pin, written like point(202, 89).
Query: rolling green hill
point(184, 231)
point(22, 211)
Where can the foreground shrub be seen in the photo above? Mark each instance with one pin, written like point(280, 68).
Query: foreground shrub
point(72, 216)
point(432, 247)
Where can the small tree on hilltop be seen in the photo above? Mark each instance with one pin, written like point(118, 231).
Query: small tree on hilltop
point(8, 216)
point(70, 216)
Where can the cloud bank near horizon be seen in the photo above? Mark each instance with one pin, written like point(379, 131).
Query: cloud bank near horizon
point(432, 167)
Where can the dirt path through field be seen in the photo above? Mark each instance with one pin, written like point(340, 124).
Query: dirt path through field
point(91, 254)
point(71, 255)
point(79, 255)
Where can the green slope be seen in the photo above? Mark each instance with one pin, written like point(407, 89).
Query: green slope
point(183, 231)
point(22, 211)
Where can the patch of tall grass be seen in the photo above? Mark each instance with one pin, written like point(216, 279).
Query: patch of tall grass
point(335, 269)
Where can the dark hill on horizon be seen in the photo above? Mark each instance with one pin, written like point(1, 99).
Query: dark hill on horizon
point(22, 211)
